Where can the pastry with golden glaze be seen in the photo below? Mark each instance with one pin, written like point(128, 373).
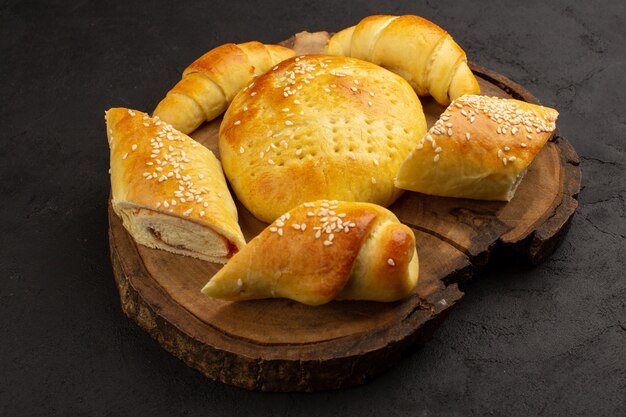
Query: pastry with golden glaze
point(323, 251)
point(480, 148)
point(169, 190)
point(210, 82)
point(413, 47)
point(319, 127)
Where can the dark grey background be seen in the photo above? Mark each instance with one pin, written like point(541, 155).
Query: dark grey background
point(546, 341)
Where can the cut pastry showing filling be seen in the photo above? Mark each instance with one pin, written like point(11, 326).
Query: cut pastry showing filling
point(323, 251)
point(480, 148)
point(169, 190)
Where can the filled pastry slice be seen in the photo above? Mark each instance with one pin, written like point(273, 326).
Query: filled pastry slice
point(323, 251)
point(480, 148)
point(169, 190)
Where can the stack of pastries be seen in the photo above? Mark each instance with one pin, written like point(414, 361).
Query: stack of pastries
point(317, 145)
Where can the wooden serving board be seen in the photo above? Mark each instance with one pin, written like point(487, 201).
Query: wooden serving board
point(281, 345)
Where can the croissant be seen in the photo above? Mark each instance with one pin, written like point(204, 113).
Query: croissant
point(169, 190)
point(480, 148)
point(323, 251)
point(413, 47)
point(210, 83)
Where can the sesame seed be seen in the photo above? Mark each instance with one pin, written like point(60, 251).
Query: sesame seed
point(298, 151)
point(436, 158)
point(356, 82)
point(296, 102)
point(288, 122)
point(354, 89)
point(499, 153)
point(372, 93)
point(504, 161)
point(202, 213)
point(327, 89)
point(286, 109)
point(241, 149)
point(512, 158)
point(467, 135)
point(449, 131)
point(219, 194)
point(205, 204)
point(252, 94)
point(369, 103)
point(438, 149)
point(376, 162)
point(273, 229)
point(419, 146)
point(125, 155)
point(373, 180)
point(238, 122)
point(296, 226)
point(506, 149)
point(327, 243)
point(523, 145)
point(239, 282)
point(270, 161)
point(391, 262)
point(132, 113)
point(280, 232)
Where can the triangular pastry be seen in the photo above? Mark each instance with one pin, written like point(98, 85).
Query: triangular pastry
point(169, 190)
point(480, 148)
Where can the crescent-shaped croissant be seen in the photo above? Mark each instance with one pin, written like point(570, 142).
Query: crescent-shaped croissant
point(414, 48)
point(323, 251)
point(211, 82)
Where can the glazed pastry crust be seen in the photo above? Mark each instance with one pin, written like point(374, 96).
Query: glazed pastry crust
point(323, 251)
point(319, 127)
point(210, 83)
point(413, 47)
point(169, 190)
point(480, 148)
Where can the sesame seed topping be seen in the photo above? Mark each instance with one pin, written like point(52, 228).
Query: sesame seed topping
point(523, 145)
point(125, 155)
point(241, 149)
point(132, 113)
point(438, 149)
point(512, 158)
point(436, 158)
point(391, 262)
point(280, 232)
point(238, 122)
point(252, 94)
point(467, 135)
point(354, 89)
point(369, 103)
point(371, 93)
point(328, 243)
point(270, 161)
point(373, 180)
point(288, 122)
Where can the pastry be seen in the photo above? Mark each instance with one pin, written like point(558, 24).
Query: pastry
point(319, 127)
point(413, 47)
point(323, 251)
point(169, 190)
point(210, 83)
point(480, 148)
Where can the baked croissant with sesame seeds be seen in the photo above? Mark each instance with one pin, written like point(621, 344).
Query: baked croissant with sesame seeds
point(480, 148)
point(210, 83)
point(413, 47)
point(323, 251)
point(169, 190)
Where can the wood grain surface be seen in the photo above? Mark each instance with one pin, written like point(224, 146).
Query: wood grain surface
point(282, 345)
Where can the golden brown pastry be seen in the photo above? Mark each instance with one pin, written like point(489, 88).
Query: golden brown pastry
point(210, 83)
point(480, 148)
point(319, 127)
point(413, 47)
point(169, 190)
point(323, 251)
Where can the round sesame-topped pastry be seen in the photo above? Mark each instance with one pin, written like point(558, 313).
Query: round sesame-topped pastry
point(480, 148)
point(319, 127)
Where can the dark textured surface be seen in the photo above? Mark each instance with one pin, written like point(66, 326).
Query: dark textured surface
point(544, 341)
